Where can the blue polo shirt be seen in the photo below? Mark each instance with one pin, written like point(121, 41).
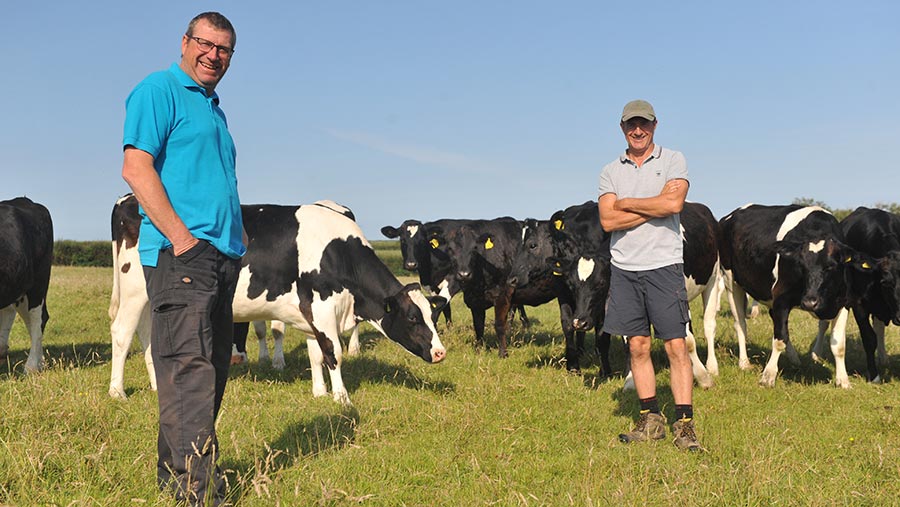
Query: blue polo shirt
point(170, 117)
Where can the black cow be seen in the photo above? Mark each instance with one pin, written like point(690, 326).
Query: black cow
point(26, 254)
point(874, 280)
point(482, 253)
point(784, 257)
point(582, 258)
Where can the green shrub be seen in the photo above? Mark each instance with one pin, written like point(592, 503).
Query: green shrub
point(82, 253)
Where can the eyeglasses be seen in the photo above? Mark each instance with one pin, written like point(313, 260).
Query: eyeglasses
point(206, 46)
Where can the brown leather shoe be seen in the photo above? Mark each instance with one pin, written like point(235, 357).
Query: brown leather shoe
point(685, 436)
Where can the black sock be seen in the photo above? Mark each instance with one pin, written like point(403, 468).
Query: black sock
point(684, 412)
point(649, 405)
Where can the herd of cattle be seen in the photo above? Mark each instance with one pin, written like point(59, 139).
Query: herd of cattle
point(311, 268)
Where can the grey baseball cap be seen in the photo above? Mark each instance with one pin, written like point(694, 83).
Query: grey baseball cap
point(637, 108)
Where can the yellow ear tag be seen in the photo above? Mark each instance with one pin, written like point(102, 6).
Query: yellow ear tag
point(557, 272)
point(558, 224)
point(848, 259)
point(865, 265)
point(434, 243)
point(488, 244)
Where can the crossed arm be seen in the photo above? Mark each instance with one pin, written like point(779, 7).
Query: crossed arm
point(620, 214)
point(139, 173)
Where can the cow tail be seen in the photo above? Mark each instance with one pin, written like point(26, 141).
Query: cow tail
point(114, 297)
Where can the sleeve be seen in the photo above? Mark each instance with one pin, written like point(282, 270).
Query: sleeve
point(606, 182)
point(148, 118)
point(677, 167)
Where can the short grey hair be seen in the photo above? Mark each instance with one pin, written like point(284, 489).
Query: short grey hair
point(217, 20)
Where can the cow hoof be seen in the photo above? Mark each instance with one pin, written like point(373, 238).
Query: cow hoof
point(278, 363)
point(744, 364)
point(117, 393)
point(319, 391)
point(705, 381)
point(238, 359)
point(767, 379)
point(353, 351)
point(843, 383)
point(712, 368)
point(31, 368)
point(818, 358)
point(343, 398)
point(876, 380)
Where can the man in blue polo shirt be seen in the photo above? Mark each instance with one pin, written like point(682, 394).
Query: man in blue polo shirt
point(180, 163)
point(642, 193)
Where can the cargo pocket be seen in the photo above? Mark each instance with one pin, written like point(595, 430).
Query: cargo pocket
point(178, 327)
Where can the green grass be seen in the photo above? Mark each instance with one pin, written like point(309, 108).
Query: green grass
point(472, 431)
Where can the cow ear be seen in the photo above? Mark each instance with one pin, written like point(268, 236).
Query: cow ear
point(390, 304)
point(435, 243)
point(390, 232)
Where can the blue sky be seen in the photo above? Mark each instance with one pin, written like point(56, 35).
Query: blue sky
point(427, 110)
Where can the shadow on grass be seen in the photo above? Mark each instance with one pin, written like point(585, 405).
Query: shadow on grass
point(297, 441)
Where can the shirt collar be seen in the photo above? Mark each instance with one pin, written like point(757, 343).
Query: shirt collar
point(187, 82)
point(657, 152)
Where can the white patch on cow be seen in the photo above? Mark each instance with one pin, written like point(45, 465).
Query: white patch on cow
point(444, 290)
point(524, 230)
point(585, 268)
point(315, 232)
point(817, 247)
point(413, 230)
point(693, 288)
point(793, 219)
point(424, 305)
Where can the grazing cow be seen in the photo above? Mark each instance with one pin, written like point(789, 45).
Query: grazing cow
point(581, 248)
point(129, 307)
point(785, 257)
point(482, 253)
point(26, 253)
point(310, 267)
point(874, 281)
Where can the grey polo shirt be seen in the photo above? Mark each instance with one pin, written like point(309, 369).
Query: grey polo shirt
point(655, 243)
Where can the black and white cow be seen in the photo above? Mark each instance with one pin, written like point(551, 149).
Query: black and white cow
point(582, 258)
point(26, 254)
point(482, 253)
point(785, 257)
point(311, 267)
point(129, 307)
point(874, 281)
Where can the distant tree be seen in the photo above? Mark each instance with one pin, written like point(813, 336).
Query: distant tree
point(809, 201)
point(893, 207)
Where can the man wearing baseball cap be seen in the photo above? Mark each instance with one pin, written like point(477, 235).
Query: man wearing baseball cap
point(642, 193)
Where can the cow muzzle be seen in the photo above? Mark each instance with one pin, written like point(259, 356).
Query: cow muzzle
point(582, 324)
point(411, 266)
point(438, 355)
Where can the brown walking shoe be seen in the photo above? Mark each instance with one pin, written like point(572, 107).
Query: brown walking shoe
point(685, 436)
point(650, 426)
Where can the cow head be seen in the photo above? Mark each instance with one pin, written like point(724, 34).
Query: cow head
point(459, 246)
point(531, 259)
point(412, 243)
point(587, 277)
point(408, 321)
point(881, 277)
point(820, 267)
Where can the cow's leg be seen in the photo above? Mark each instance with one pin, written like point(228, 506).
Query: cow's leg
point(780, 343)
point(602, 341)
point(143, 332)
point(478, 324)
point(34, 322)
point(523, 318)
point(878, 326)
point(711, 296)
point(839, 348)
point(737, 299)
point(444, 292)
point(568, 328)
point(353, 346)
point(818, 348)
point(239, 342)
point(704, 379)
point(501, 321)
point(124, 325)
point(327, 335)
point(7, 316)
point(319, 388)
point(277, 345)
point(629, 378)
point(869, 341)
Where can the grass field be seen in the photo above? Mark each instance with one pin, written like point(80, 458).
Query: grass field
point(472, 431)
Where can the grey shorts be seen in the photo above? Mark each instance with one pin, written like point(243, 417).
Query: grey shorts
point(639, 299)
